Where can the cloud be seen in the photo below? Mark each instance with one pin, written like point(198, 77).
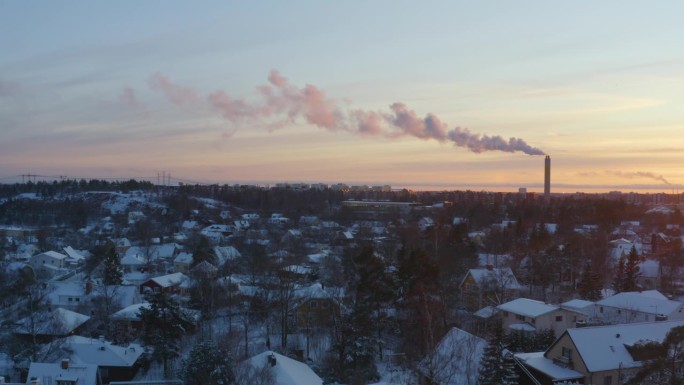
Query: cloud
point(178, 95)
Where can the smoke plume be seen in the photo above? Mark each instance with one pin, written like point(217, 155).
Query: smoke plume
point(280, 102)
point(640, 174)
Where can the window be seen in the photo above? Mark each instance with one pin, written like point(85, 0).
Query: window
point(325, 305)
point(601, 309)
point(559, 318)
point(70, 299)
point(566, 352)
point(520, 317)
point(313, 304)
point(608, 380)
point(505, 314)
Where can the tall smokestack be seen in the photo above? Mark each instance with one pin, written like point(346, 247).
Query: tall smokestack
point(547, 176)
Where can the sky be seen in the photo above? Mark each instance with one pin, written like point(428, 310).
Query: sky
point(434, 95)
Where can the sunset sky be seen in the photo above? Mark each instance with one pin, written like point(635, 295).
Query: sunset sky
point(414, 94)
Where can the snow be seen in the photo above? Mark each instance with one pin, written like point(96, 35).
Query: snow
point(524, 326)
point(650, 301)
point(537, 361)
point(605, 347)
point(527, 307)
point(286, 371)
point(485, 312)
point(53, 373)
point(84, 350)
point(170, 279)
point(456, 359)
point(130, 313)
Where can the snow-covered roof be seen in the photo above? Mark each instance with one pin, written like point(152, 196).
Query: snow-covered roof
point(183, 257)
point(226, 253)
point(74, 254)
point(164, 251)
point(456, 357)
point(131, 260)
point(84, 350)
point(523, 326)
point(651, 301)
point(169, 279)
point(46, 373)
point(54, 254)
point(313, 291)
point(503, 276)
point(605, 347)
point(577, 304)
point(285, 370)
point(56, 323)
point(130, 313)
point(527, 307)
point(537, 361)
point(485, 312)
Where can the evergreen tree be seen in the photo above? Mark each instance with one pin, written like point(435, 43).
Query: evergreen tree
point(631, 271)
point(207, 365)
point(663, 362)
point(590, 285)
point(619, 279)
point(112, 273)
point(165, 323)
point(497, 366)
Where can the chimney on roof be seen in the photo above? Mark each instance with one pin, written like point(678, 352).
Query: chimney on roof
point(272, 360)
point(65, 364)
point(490, 267)
point(88, 287)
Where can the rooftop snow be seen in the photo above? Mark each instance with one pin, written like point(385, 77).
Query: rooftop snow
point(527, 307)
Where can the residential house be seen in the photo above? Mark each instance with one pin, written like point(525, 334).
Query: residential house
point(182, 262)
point(488, 286)
point(114, 363)
point(535, 316)
point(455, 361)
point(170, 284)
point(63, 373)
point(594, 355)
point(313, 307)
point(50, 262)
point(283, 370)
point(645, 306)
point(48, 325)
point(127, 322)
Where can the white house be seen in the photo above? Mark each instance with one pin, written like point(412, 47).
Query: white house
point(283, 370)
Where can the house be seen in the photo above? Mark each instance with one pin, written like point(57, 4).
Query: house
point(488, 286)
point(594, 355)
point(225, 253)
point(313, 307)
point(182, 262)
point(170, 284)
point(645, 306)
point(48, 325)
point(68, 295)
point(63, 373)
point(49, 261)
point(114, 363)
point(535, 316)
point(283, 370)
point(455, 361)
point(127, 322)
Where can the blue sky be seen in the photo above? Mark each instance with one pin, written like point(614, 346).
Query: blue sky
point(124, 89)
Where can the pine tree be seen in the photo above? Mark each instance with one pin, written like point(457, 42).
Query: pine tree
point(497, 366)
point(589, 287)
point(631, 271)
point(113, 272)
point(207, 365)
point(165, 324)
point(619, 280)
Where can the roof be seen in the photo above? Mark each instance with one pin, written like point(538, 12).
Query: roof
point(524, 327)
point(456, 355)
point(51, 373)
point(169, 279)
point(500, 275)
point(286, 371)
point(183, 257)
point(651, 301)
point(53, 254)
point(485, 312)
point(84, 350)
point(537, 361)
point(527, 307)
point(605, 347)
point(130, 313)
point(58, 322)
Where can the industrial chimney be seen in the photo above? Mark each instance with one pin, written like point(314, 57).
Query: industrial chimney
point(547, 177)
